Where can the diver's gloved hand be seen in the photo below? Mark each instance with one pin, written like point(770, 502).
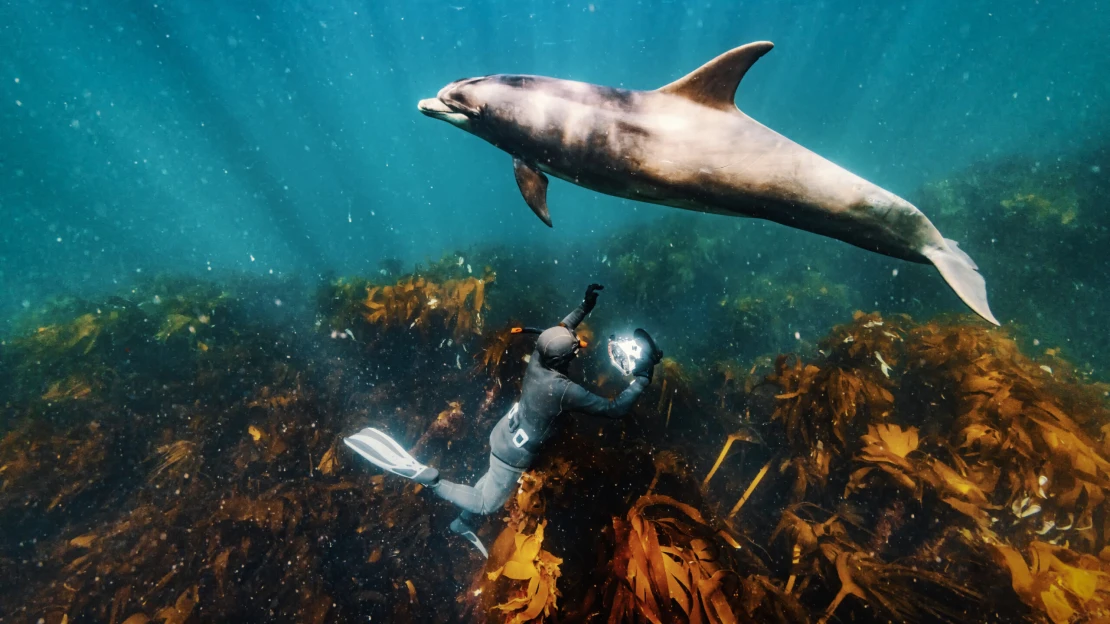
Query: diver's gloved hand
point(590, 300)
point(652, 355)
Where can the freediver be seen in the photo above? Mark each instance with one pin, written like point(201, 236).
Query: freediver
point(546, 394)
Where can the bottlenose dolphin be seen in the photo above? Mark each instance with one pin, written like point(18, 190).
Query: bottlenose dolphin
point(687, 145)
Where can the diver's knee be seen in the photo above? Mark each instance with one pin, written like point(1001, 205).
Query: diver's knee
point(490, 506)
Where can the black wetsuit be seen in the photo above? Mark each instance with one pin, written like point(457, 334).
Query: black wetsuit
point(546, 395)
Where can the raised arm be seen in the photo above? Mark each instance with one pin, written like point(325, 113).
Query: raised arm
point(575, 317)
point(578, 399)
point(588, 302)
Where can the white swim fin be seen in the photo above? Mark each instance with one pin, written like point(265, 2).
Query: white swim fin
point(384, 452)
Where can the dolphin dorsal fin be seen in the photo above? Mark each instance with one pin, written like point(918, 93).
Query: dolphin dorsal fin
point(714, 84)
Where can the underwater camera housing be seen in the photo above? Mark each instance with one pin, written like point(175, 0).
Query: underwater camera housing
point(625, 353)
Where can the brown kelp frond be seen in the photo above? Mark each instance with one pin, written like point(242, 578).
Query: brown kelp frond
point(72, 388)
point(805, 534)
point(172, 455)
point(667, 463)
point(889, 443)
point(1063, 585)
point(446, 426)
point(868, 342)
point(501, 352)
point(46, 470)
point(80, 333)
point(1063, 210)
point(902, 593)
point(824, 549)
point(74, 351)
point(822, 407)
point(534, 597)
point(417, 301)
point(675, 387)
point(177, 458)
point(668, 566)
point(949, 422)
point(744, 434)
point(1017, 429)
point(341, 304)
point(887, 450)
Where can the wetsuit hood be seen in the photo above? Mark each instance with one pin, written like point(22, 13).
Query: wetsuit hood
point(557, 346)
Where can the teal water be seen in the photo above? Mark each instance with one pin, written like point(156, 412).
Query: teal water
point(183, 136)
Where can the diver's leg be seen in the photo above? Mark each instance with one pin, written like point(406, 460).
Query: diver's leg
point(466, 497)
point(499, 484)
point(487, 495)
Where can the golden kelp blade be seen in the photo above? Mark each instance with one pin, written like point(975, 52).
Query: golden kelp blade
point(540, 569)
point(416, 301)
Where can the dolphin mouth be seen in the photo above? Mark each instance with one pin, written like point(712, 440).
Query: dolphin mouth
point(438, 109)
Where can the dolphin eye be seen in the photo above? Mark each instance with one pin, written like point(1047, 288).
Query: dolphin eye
point(466, 103)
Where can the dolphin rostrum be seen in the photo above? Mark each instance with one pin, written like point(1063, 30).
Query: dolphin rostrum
point(687, 145)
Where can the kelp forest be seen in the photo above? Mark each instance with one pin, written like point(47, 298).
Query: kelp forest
point(809, 450)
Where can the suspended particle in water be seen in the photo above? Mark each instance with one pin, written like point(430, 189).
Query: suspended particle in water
point(797, 335)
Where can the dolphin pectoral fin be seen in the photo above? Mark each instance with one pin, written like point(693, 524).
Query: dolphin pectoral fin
point(533, 186)
point(963, 277)
point(714, 84)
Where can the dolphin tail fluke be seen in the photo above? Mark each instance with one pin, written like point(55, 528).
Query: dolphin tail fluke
point(962, 274)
